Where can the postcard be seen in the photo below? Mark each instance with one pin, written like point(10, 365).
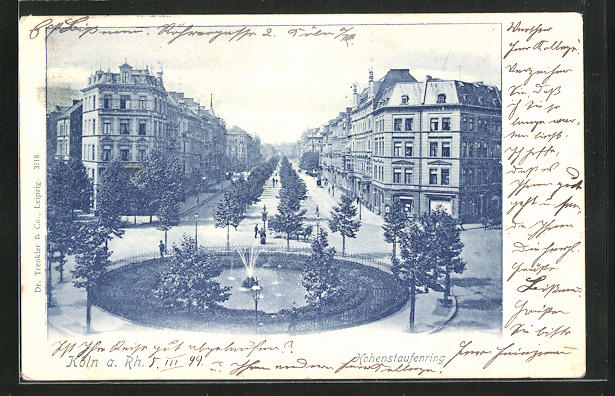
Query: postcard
point(301, 197)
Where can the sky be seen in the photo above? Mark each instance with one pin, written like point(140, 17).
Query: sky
point(277, 87)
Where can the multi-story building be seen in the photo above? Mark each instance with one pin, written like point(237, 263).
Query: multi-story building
point(124, 117)
point(438, 143)
point(340, 150)
point(237, 143)
point(362, 129)
point(68, 129)
point(429, 144)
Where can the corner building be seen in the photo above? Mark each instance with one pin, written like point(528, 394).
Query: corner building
point(438, 143)
point(124, 117)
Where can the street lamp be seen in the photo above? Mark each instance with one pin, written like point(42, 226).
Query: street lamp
point(264, 215)
point(196, 232)
point(256, 292)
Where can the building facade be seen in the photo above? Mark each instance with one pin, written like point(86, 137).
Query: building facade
point(124, 117)
point(127, 114)
point(429, 144)
point(68, 130)
point(438, 143)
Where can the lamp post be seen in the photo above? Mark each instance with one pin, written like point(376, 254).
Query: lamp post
point(264, 215)
point(196, 229)
point(256, 292)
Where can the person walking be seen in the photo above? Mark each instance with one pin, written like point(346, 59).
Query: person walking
point(256, 231)
point(161, 247)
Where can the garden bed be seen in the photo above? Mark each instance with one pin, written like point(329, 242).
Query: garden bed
point(369, 294)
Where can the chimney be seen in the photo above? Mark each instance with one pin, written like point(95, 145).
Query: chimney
point(371, 82)
point(160, 76)
point(355, 95)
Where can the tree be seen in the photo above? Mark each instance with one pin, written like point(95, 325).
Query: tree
point(343, 221)
point(161, 180)
point(394, 223)
point(68, 189)
point(309, 160)
point(228, 213)
point(446, 246)
point(113, 199)
point(188, 280)
point(320, 276)
point(91, 262)
point(288, 220)
point(79, 185)
point(413, 269)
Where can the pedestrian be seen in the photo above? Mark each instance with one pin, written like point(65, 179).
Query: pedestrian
point(263, 234)
point(256, 231)
point(333, 190)
point(161, 247)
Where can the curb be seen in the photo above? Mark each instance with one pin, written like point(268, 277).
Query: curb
point(443, 325)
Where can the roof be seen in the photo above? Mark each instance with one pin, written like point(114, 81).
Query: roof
point(456, 92)
point(70, 109)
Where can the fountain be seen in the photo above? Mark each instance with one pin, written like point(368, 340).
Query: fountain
point(249, 263)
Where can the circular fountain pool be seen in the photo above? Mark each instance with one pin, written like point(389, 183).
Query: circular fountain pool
point(280, 289)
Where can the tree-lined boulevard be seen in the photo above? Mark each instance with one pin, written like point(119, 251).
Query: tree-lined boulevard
point(426, 254)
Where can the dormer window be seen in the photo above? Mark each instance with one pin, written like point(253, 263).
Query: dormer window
point(404, 99)
point(480, 100)
point(125, 77)
point(441, 98)
point(465, 97)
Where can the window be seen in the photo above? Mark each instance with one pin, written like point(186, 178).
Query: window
point(470, 124)
point(446, 149)
point(397, 175)
point(397, 124)
point(124, 102)
point(441, 98)
point(408, 125)
point(106, 154)
point(480, 100)
point(446, 124)
point(433, 123)
point(433, 149)
point(433, 176)
point(94, 126)
point(408, 176)
point(107, 127)
point(142, 103)
point(124, 124)
point(397, 149)
point(142, 127)
point(94, 102)
point(408, 150)
point(470, 150)
point(444, 177)
point(124, 77)
point(107, 102)
point(464, 149)
point(141, 155)
point(124, 154)
point(404, 99)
